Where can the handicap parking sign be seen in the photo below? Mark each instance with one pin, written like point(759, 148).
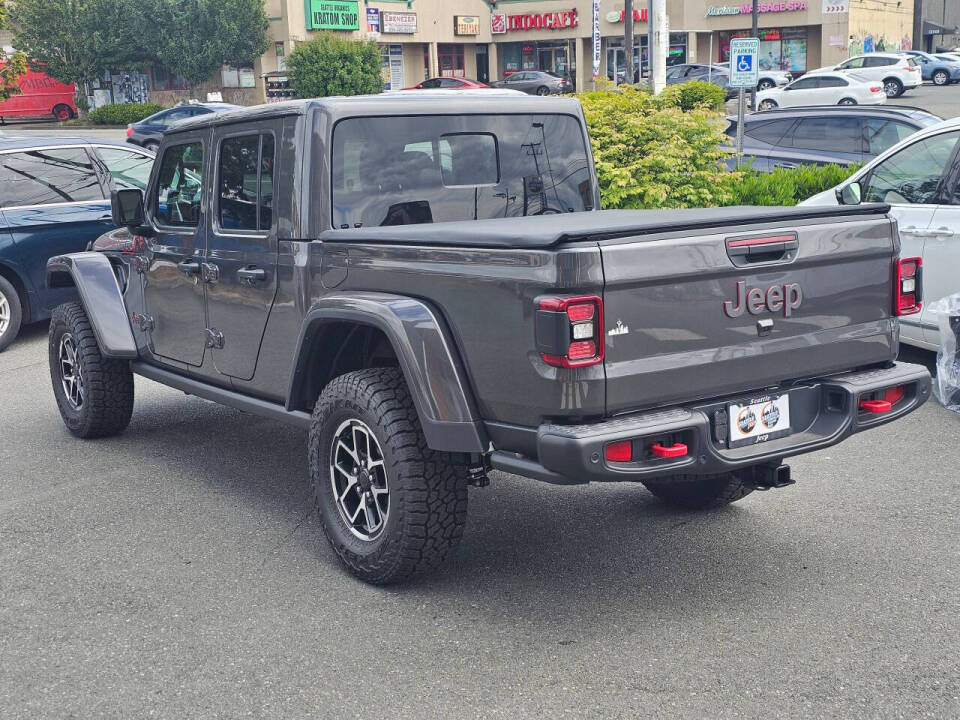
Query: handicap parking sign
point(743, 62)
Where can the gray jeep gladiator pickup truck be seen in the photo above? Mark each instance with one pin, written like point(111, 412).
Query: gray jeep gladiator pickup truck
point(429, 287)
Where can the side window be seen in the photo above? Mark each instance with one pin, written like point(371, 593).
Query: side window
point(127, 169)
point(912, 176)
point(883, 134)
point(430, 84)
point(852, 64)
point(180, 185)
point(246, 183)
point(768, 132)
point(45, 177)
point(807, 83)
point(832, 134)
point(830, 82)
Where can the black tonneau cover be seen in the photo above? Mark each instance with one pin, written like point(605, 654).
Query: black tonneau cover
point(543, 231)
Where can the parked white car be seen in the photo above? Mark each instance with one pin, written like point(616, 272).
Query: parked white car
point(896, 71)
point(920, 179)
point(824, 89)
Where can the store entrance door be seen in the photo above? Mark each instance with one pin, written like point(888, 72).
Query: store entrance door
point(483, 64)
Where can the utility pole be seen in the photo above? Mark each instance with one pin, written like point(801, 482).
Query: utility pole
point(658, 54)
point(628, 41)
point(754, 32)
point(918, 25)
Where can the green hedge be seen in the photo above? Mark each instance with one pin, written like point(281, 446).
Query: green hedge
point(666, 152)
point(123, 114)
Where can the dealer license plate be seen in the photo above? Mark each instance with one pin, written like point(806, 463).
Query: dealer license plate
point(759, 419)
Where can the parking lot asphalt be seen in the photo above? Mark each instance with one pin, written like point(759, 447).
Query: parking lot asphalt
point(177, 571)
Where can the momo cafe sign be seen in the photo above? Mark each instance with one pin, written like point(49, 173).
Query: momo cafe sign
point(327, 15)
point(763, 7)
point(500, 23)
point(616, 16)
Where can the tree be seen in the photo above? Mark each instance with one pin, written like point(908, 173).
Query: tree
point(329, 65)
point(13, 67)
point(75, 41)
point(194, 38)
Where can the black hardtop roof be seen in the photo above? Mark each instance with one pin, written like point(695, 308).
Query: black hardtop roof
point(23, 142)
point(410, 102)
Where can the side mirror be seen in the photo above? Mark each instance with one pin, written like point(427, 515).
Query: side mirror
point(850, 194)
point(126, 207)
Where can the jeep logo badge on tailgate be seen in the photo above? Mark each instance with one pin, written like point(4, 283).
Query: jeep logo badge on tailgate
point(786, 297)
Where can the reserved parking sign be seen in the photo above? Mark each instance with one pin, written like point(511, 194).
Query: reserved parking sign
point(744, 55)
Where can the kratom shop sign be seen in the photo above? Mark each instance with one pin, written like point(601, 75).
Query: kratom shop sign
point(327, 15)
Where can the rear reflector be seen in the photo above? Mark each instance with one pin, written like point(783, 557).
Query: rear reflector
point(669, 451)
point(907, 286)
point(619, 451)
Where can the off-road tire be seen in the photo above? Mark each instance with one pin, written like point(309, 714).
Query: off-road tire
point(108, 383)
point(699, 492)
point(428, 489)
point(10, 299)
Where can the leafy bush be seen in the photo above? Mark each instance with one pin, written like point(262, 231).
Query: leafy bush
point(330, 65)
point(693, 95)
point(648, 156)
point(123, 113)
point(784, 186)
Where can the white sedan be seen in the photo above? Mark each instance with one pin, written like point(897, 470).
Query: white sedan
point(824, 89)
point(919, 178)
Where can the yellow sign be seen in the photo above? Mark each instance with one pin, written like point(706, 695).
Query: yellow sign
point(466, 25)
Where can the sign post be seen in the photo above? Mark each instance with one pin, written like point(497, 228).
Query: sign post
point(744, 73)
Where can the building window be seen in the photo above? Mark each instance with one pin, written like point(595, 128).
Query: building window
point(451, 62)
point(281, 58)
point(163, 79)
point(426, 62)
point(237, 77)
point(780, 49)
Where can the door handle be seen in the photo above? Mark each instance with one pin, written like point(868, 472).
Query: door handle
point(943, 232)
point(189, 267)
point(251, 275)
point(917, 232)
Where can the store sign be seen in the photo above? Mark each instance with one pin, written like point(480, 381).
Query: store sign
point(764, 7)
point(596, 37)
point(498, 24)
point(832, 7)
point(466, 25)
point(373, 20)
point(396, 67)
point(617, 17)
point(326, 15)
point(398, 22)
point(538, 21)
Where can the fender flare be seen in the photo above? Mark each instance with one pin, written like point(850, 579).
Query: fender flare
point(96, 283)
point(432, 369)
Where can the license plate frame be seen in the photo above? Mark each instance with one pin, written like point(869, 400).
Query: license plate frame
point(759, 419)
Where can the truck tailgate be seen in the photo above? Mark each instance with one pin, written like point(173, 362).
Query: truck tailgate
point(702, 315)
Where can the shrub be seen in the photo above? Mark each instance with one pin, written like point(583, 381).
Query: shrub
point(329, 65)
point(784, 186)
point(693, 95)
point(648, 156)
point(123, 113)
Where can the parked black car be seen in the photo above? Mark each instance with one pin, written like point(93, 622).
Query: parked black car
point(824, 135)
point(148, 131)
point(54, 200)
point(535, 82)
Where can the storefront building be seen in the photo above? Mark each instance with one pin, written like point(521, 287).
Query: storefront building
point(487, 40)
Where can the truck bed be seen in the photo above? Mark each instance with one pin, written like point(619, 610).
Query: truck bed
point(545, 231)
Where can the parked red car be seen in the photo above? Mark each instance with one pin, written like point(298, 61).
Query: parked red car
point(448, 83)
point(40, 96)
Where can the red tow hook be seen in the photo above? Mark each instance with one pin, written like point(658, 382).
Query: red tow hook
point(673, 451)
point(876, 406)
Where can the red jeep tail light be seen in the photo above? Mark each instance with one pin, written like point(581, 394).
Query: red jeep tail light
point(570, 331)
point(907, 287)
point(619, 451)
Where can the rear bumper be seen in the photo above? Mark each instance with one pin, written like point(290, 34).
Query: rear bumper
point(823, 412)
